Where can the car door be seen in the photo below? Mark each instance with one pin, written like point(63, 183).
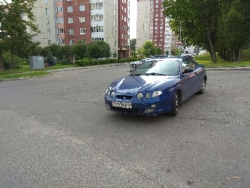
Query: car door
point(188, 78)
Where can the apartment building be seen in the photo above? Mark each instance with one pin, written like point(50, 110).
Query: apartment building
point(123, 28)
point(152, 25)
point(44, 10)
point(65, 22)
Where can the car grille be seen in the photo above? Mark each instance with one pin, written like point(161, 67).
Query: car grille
point(124, 97)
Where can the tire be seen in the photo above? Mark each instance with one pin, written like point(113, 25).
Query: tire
point(175, 105)
point(134, 66)
point(203, 86)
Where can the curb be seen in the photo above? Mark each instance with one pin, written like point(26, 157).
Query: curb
point(227, 68)
point(118, 64)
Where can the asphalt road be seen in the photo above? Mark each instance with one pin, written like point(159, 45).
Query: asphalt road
point(56, 132)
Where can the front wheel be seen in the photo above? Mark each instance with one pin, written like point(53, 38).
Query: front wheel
point(203, 87)
point(175, 105)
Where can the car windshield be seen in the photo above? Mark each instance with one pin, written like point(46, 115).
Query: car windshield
point(163, 67)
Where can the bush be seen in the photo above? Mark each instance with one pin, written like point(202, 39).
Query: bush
point(17, 61)
point(65, 62)
point(83, 62)
point(246, 55)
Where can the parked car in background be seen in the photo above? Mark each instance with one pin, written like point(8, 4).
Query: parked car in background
point(137, 63)
point(156, 87)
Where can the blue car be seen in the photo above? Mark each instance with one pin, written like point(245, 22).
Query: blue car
point(156, 87)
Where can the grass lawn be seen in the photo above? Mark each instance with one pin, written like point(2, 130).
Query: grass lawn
point(206, 60)
point(26, 72)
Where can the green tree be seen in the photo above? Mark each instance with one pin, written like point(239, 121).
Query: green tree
point(65, 52)
point(45, 51)
point(140, 53)
point(148, 48)
point(158, 51)
point(114, 54)
point(234, 26)
point(15, 18)
point(196, 22)
point(54, 49)
point(132, 44)
point(98, 49)
point(79, 49)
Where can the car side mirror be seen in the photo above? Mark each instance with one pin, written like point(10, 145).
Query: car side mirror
point(187, 70)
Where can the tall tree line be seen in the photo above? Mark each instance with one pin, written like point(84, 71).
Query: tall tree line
point(217, 25)
point(16, 18)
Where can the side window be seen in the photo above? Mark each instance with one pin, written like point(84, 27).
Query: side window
point(187, 63)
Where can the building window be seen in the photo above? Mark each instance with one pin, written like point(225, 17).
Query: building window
point(97, 39)
point(60, 41)
point(48, 31)
point(49, 42)
point(47, 21)
point(46, 10)
point(84, 40)
point(82, 8)
point(71, 42)
point(59, 9)
point(46, 1)
point(70, 20)
point(81, 19)
point(97, 29)
point(98, 5)
point(97, 17)
point(82, 31)
point(71, 31)
point(70, 9)
point(60, 31)
point(59, 20)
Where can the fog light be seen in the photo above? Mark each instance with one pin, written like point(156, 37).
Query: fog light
point(149, 110)
point(153, 105)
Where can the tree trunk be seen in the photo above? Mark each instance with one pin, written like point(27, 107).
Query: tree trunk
point(212, 50)
point(1, 61)
point(11, 61)
point(238, 54)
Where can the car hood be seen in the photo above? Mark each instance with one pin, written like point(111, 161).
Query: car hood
point(134, 84)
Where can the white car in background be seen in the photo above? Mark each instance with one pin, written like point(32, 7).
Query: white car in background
point(202, 52)
point(135, 64)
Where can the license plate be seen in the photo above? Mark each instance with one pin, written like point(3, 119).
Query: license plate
point(122, 104)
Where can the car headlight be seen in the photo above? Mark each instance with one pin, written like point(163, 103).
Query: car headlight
point(112, 94)
point(156, 93)
point(108, 91)
point(147, 96)
point(139, 96)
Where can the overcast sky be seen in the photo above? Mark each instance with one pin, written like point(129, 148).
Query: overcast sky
point(133, 17)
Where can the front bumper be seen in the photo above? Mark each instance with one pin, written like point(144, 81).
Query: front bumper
point(148, 107)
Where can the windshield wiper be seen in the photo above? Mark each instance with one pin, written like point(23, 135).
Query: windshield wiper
point(135, 74)
point(155, 73)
